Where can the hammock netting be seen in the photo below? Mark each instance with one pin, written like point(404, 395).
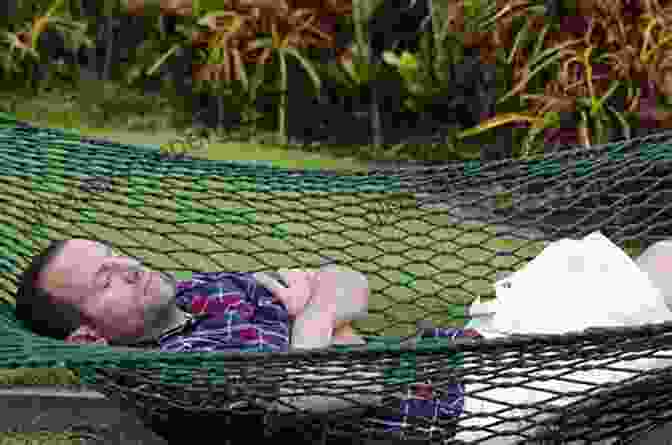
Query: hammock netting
point(430, 240)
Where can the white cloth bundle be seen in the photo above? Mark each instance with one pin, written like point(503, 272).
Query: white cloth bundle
point(575, 284)
point(570, 286)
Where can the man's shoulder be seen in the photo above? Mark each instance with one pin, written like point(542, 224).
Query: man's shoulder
point(199, 278)
point(214, 283)
point(218, 276)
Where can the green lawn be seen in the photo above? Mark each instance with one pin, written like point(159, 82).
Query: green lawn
point(278, 156)
point(43, 438)
point(51, 109)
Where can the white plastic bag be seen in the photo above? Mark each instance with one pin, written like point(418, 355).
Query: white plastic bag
point(570, 286)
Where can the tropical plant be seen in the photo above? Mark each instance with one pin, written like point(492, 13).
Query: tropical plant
point(258, 34)
point(361, 65)
point(221, 63)
point(211, 65)
point(593, 58)
point(540, 59)
point(434, 75)
point(23, 42)
point(425, 80)
point(281, 45)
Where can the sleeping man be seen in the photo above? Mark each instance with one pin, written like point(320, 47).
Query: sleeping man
point(82, 291)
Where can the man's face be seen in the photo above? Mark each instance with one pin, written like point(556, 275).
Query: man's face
point(115, 294)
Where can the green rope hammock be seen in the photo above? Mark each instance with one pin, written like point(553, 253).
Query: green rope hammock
point(429, 239)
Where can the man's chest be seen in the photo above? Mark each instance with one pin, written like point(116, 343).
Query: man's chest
point(232, 312)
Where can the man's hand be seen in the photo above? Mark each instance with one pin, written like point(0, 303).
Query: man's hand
point(314, 326)
point(295, 297)
point(312, 299)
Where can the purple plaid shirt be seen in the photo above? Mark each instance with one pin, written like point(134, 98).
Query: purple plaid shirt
point(235, 313)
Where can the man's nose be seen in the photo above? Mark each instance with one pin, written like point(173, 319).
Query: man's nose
point(134, 274)
point(131, 271)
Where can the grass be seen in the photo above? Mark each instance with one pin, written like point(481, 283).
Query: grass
point(147, 120)
point(41, 438)
point(278, 156)
point(234, 151)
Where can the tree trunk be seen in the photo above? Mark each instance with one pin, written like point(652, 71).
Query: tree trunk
point(431, 42)
point(35, 77)
point(109, 47)
point(376, 124)
point(77, 9)
point(220, 113)
point(93, 53)
point(282, 109)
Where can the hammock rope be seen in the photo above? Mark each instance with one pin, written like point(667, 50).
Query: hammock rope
point(429, 239)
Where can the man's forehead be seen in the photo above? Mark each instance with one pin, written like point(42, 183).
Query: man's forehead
point(70, 264)
point(76, 247)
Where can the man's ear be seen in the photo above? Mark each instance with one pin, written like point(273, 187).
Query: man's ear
point(86, 334)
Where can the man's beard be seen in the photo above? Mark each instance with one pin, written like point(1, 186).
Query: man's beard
point(158, 316)
point(170, 281)
point(161, 312)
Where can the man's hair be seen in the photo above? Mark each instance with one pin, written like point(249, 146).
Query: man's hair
point(34, 305)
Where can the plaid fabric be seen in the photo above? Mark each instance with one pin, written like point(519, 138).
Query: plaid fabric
point(422, 400)
point(234, 313)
